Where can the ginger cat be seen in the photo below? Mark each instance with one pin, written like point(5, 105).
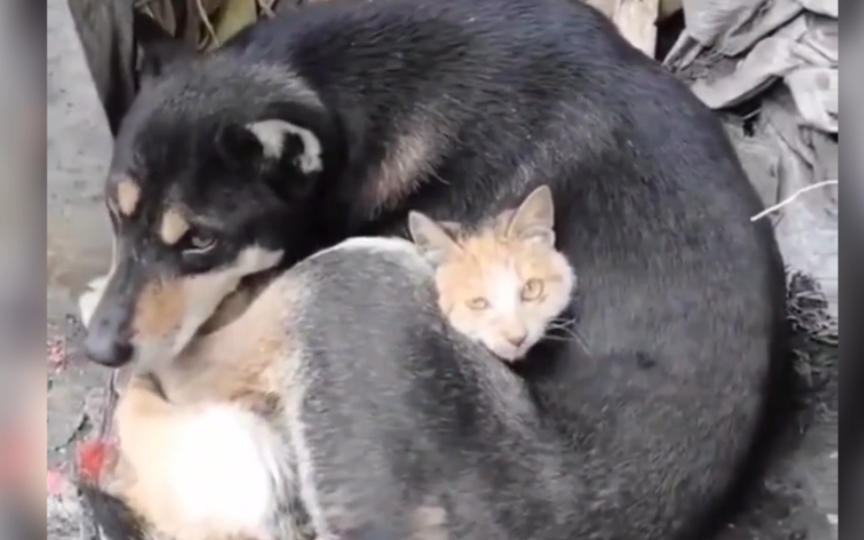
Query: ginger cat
point(503, 284)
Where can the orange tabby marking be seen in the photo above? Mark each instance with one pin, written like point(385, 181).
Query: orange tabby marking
point(503, 284)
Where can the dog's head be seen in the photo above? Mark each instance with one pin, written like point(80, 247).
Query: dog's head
point(212, 180)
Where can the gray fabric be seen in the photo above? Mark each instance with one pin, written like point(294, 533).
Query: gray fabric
point(782, 54)
point(707, 20)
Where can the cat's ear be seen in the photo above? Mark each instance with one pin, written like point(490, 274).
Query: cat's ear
point(435, 241)
point(534, 220)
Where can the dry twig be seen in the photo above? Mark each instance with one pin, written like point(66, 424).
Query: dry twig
point(206, 20)
point(791, 198)
point(266, 7)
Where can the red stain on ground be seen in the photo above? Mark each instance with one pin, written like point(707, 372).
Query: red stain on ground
point(92, 458)
point(56, 482)
point(57, 353)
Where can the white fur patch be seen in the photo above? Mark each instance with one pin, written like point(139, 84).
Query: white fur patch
point(271, 134)
point(227, 470)
point(89, 299)
point(306, 477)
point(408, 254)
point(376, 243)
point(380, 245)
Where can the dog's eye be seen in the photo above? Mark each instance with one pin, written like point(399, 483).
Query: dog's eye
point(201, 242)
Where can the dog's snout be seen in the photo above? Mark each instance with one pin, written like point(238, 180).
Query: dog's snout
point(104, 346)
point(105, 349)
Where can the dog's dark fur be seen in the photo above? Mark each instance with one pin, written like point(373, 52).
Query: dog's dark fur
point(114, 519)
point(682, 302)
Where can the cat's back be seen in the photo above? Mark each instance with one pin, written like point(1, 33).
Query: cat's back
point(366, 297)
point(402, 415)
point(360, 271)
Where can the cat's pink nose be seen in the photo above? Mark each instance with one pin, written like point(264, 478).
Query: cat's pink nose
point(517, 339)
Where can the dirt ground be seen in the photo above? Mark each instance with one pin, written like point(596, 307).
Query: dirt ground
point(798, 500)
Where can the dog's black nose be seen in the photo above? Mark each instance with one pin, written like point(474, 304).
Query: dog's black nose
point(104, 348)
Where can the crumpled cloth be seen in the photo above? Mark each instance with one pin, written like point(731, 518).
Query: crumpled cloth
point(778, 61)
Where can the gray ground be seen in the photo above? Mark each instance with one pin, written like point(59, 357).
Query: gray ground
point(798, 500)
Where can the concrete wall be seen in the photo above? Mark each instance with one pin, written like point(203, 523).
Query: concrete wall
point(79, 148)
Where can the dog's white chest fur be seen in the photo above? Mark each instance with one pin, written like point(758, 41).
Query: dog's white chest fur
point(226, 471)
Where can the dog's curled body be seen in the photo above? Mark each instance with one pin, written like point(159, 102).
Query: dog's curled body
point(338, 119)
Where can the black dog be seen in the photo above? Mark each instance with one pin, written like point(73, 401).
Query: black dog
point(337, 120)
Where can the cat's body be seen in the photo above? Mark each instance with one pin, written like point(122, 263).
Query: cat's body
point(502, 283)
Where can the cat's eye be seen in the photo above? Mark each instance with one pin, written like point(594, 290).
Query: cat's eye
point(532, 290)
point(478, 303)
point(200, 242)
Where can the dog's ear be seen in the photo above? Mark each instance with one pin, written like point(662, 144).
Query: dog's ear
point(291, 145)
point(238, 146)
point(282, 141)
point(155, 48)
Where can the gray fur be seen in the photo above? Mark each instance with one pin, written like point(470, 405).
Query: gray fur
point(402, 415)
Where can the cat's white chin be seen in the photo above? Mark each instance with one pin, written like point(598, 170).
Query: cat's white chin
point(508, 354)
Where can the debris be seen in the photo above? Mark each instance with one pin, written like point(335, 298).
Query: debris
point(80, 426)
point(816, 91)
point(792, 198)
point(234, 16)
point(636, 20)
point(56, 482)
point(58, 356)
point(205, 19)
point(770, 69)
point(769, 59)
point(63, 509)
point(207, 24)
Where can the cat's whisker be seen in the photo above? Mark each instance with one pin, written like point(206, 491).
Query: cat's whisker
point(555, 324)
point(561, 327)
point(570, 333)
point(558, 338)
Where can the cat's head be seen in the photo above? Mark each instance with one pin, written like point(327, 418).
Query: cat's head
point(503, 283)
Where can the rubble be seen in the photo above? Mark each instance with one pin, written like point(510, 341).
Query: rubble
point(770, 70)
point(778, 61)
